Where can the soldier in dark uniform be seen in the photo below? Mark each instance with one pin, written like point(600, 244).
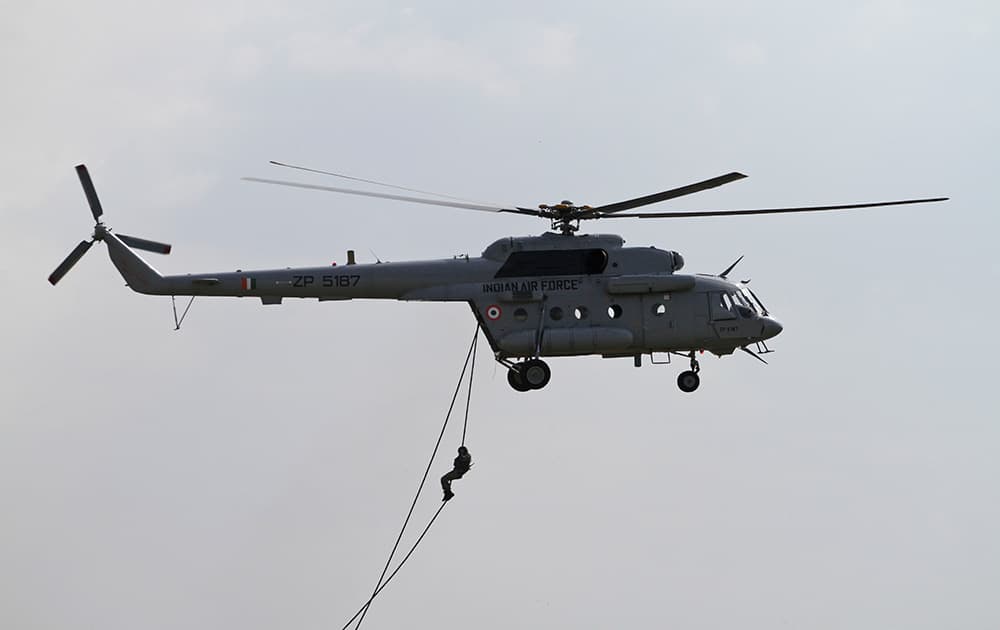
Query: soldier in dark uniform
point(462, 464)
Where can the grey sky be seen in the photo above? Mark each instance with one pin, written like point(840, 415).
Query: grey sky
point(251, 470)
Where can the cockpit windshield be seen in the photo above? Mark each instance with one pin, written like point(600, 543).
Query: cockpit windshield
point(752, 298)
point(744, 300)
point(732, 304)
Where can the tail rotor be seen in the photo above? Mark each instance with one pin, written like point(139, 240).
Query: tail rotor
point(100, 231)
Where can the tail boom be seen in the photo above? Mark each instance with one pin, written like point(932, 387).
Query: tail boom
point(140, 275)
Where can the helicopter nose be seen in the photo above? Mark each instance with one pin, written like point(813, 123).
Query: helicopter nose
point(770, 328)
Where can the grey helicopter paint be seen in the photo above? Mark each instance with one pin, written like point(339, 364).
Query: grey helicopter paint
point(557, 294)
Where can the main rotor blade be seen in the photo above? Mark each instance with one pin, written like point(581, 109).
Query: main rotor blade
point(726, 213)
point(365, 193)
point(72, 259)
point(90, 191)
point(667, 194)
point(141, 243)
point(368, 181)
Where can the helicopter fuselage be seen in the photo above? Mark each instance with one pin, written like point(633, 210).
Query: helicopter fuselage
point(548, 295)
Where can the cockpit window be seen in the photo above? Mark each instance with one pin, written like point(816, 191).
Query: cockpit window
point(744, 306)
point(730, 305)
point(722, 307)
point(756, 300)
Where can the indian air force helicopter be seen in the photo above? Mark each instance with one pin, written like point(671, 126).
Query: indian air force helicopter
point(558, 294)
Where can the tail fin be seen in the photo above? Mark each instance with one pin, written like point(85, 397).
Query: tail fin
point(139, 275)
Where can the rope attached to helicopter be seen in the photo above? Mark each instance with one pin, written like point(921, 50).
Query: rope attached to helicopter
point(383, 581)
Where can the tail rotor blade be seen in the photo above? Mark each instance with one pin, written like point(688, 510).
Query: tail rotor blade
point(72, 259)
point(144, 244)
point(90, 191)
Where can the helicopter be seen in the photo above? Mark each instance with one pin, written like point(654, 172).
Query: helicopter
point(559, 294)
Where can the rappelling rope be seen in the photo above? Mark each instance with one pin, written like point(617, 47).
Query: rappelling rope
point(393, 574)
point(472, 372)
point(380, 584)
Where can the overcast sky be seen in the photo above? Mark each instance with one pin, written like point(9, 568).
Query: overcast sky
point(251, 470)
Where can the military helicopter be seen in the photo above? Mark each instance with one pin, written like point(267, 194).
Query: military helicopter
point(557, 294)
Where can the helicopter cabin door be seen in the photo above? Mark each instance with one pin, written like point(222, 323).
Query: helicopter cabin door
point(658, 321)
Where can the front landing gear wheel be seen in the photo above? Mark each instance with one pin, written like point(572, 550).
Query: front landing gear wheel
point(515, 380)
point(688, 381)
point(536, 373)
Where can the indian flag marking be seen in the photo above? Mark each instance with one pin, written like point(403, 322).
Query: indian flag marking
point(249, 284)
point(493, 312)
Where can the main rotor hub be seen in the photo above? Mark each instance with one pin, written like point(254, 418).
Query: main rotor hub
point(565, 215)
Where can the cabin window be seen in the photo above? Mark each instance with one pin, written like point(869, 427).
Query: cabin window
point(659, 309)
point(615, 311)
point(520, 314)
point(581, 312)
point(557, 262)
point(556, 313)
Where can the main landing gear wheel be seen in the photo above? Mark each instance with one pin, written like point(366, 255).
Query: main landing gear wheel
point(536, 373)
point(515, 380)
point(688, 381)
point(531, 374)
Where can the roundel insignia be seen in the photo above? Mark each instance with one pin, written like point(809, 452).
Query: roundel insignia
point(493, 312)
